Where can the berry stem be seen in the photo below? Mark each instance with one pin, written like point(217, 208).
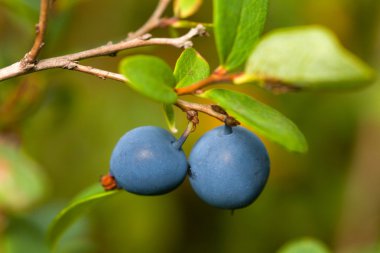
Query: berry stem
point(227, 129)
point(190, 127)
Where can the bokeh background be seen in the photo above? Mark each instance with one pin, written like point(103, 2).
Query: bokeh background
point(67, 123)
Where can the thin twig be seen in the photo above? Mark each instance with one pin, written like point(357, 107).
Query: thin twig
point(31, 56)
point(214, 78)
point(188, 107)
point(102, 74)
point(211, 110)
point(17, 69)
point(207, 109)
point(153, 21)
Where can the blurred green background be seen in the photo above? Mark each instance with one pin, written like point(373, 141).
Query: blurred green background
point(67, 123)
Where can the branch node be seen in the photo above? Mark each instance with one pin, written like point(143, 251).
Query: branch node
point(27, 63)
point(200, 30)
point(231, 121)
point(70, 65)
point(187, 44)
point(218, 109)
point(40, 30)
point(192, 116)
point(37, 29)
point(146, 36)
point(184, 41)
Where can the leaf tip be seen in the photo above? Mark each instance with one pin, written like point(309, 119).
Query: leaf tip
point(173, 129)
point(303, 147)
point(185, 9)
point(299, 144)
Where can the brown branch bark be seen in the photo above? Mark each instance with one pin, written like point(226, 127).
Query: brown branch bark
point(153, 22)
point(137, 39)
point(65, 61)
point(211, 110)
point(31, 56)
point(102, 74)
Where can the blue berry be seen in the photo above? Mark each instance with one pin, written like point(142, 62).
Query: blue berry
point(229, 167)
point(148, 161)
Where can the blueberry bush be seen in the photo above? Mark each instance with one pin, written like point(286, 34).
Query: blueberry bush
point(228, 167)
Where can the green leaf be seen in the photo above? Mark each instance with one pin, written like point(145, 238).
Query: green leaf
point(186, 8)
point(238, 26)
point(264, 119)
point(150, 76)
point(304, 245)
point(170, 117)
point(77, 207)
point(190, 68)
point(306, 57)
point(22, 235)
point(22, 182)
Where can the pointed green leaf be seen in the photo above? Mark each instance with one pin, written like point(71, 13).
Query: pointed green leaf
point(264, 119)
point(304, 245)
point(186, 8)
point(190, 68)
point(22, 181)
point(77, 207)
point(238, 25)
point(150, 76)
point(170, 117)
point(306, 57)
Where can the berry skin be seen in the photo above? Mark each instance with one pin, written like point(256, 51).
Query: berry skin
point(148, 161)
point(229, 167)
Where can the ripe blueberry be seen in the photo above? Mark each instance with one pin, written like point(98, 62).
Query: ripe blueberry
point(148, 161)
point(229, 167)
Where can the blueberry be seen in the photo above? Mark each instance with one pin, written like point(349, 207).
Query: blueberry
point(148, 161)
point(229, 167)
